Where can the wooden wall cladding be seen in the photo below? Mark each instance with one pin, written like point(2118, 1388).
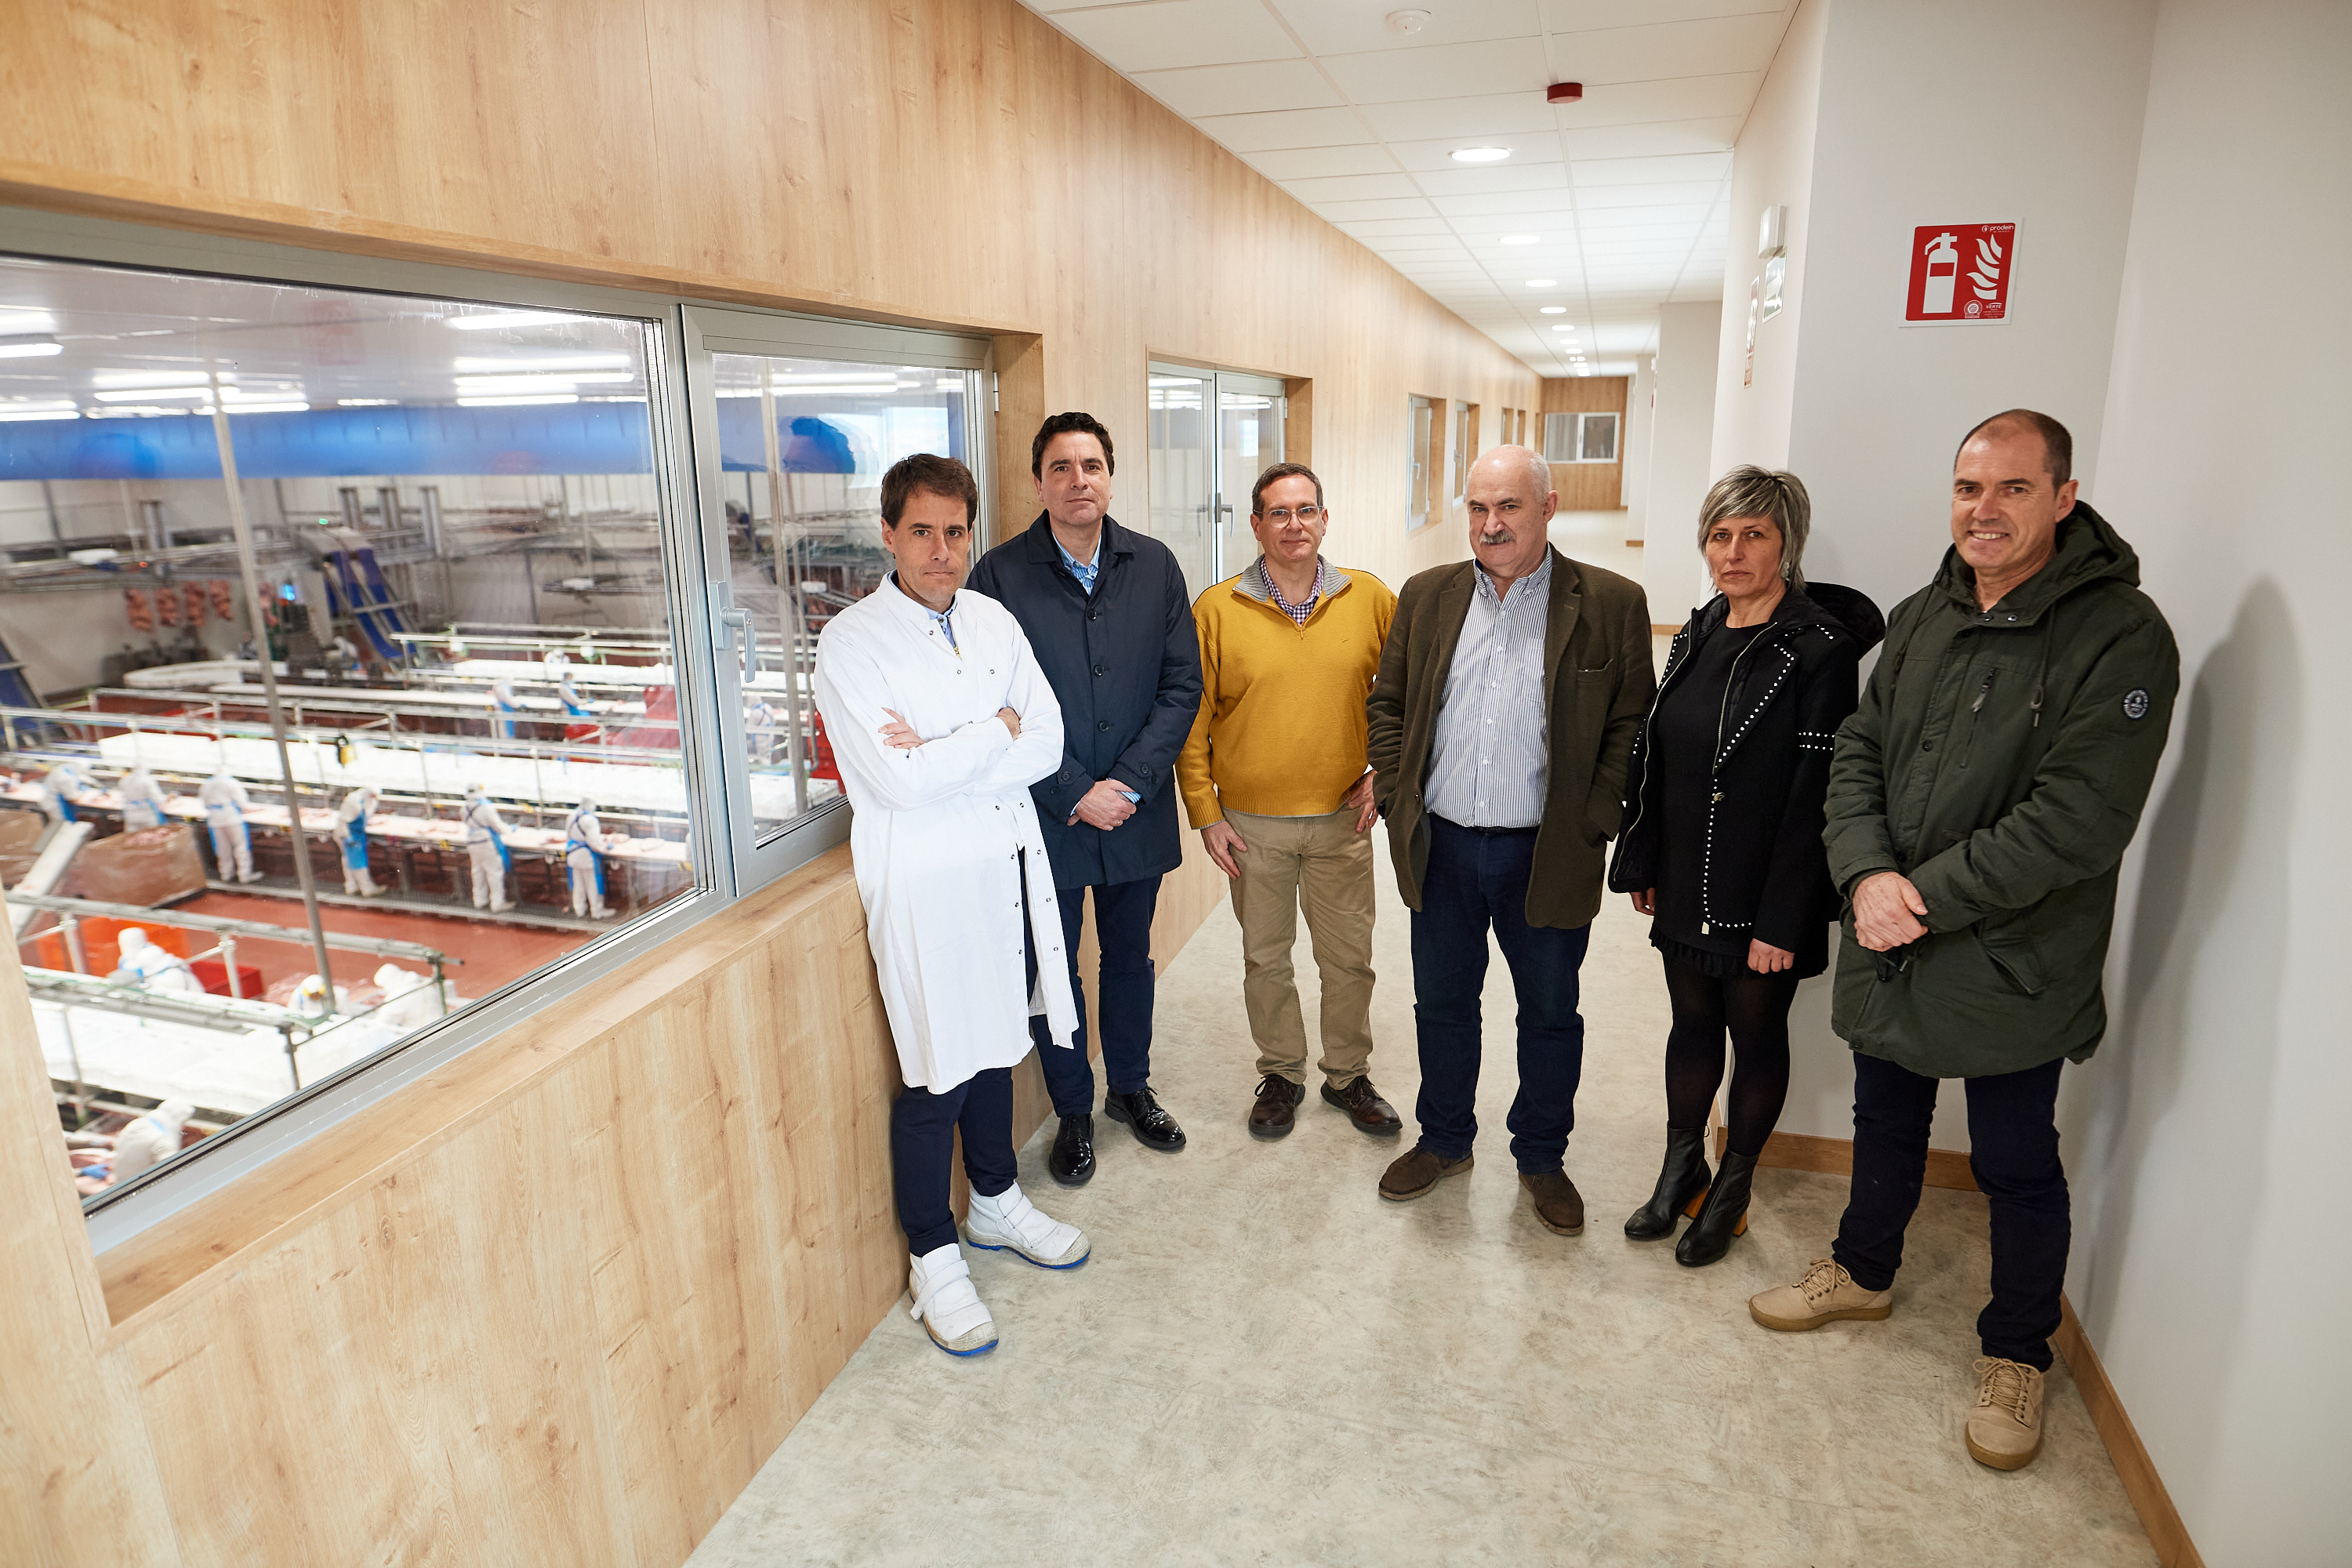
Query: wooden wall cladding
point(1588, 487)
point(557, 1302)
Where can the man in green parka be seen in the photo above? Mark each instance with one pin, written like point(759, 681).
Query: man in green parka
point(1979, 803)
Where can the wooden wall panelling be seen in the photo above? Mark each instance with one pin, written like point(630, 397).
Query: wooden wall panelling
point(1589, 487)
point(1020, 410)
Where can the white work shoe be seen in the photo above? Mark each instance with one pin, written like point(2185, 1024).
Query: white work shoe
point(945, 1303)
point(1010, 1222)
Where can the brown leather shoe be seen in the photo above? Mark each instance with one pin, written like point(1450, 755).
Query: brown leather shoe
point(1272, 1116)
point(1559, 1205)
point(1365, 1106)
point(1415, 1171)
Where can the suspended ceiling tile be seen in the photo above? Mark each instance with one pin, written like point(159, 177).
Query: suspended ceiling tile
point(1393, 206)
point(1580, 15)
point(1701, 196)
point(1709, 48)
point(1437, 153)
point(1320, 162)
point(1688, 168)
point(1663, 137)
point(1481, 117)
point(1674, 98)
point(1351, 188)
point(1463, 181)
point(1285, 128)
point(1446, 70)
point(1347, 26)
point(1372, 229)
point(1507, 204)
point(1173, 33)
point(1240, 90)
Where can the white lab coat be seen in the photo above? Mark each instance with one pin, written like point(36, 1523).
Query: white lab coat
point(937, 831)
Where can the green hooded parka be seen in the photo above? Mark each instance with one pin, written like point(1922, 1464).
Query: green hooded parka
point(2000, 759)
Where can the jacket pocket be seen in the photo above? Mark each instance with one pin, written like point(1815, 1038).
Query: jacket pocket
point(2008, 942)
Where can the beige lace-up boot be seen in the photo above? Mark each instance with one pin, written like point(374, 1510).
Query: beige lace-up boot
point(1825, 1295)
point(2005, 1427)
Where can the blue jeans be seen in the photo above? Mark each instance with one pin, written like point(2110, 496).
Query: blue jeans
point(1477, 878)
point(1123, 996)
point(2013, 1144)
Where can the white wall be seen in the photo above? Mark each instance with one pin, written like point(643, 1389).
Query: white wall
point(2028, 113)
point(2206, 1140)
point(1682, 443)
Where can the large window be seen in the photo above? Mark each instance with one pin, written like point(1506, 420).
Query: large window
point(1202, 471)
point(1422, 465)
point(1580, 438)
point(390, 649)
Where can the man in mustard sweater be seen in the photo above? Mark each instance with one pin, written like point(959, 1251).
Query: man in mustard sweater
point(1274, 777)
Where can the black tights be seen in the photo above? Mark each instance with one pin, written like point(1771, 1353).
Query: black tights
point(1755, 1008)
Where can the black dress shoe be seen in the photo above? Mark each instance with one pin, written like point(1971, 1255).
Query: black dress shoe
point(1365, 1106)
point(1680, 1180)
point(1273, 1113)
point(1072, 1162)
point(1153, 1128)
point(1722, 1216)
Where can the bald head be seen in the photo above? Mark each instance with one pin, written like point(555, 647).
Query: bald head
point(1510, 497)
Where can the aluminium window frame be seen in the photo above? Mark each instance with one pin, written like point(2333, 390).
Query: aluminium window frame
point(694, 557)
point(1576, 435)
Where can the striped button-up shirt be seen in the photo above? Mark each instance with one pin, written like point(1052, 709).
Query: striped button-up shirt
point(1493, 751)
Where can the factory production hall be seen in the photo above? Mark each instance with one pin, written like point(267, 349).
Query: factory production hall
point(1225, 781)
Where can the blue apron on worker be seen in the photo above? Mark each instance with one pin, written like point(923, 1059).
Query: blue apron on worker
point(573, 704)
point(506, 855)
point(572, 841)
point(353, 836)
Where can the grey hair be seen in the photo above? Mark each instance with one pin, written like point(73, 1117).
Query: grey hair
point(1530, 463)
point(1780, 498)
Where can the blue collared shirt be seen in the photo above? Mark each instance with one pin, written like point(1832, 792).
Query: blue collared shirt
point(1492, 755)
point(1085, 572)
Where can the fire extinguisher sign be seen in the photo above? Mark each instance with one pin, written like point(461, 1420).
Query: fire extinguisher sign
point(1960, 274)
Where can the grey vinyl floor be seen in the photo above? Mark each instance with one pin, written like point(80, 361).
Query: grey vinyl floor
point(1265, 1363)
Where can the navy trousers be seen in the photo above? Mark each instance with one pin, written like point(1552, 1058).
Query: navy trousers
point(1477, 879)
point(2013, 1151)
point(1123, 994)
point(923, 1126)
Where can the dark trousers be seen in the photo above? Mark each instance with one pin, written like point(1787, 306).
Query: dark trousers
point(1123, 993)
point(923, 1126)
point(2014, 1151)
point(1478, 878)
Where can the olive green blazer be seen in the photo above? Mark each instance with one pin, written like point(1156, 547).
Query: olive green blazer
point(1598, 684)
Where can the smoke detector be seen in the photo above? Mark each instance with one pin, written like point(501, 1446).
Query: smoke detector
point(1407, 22)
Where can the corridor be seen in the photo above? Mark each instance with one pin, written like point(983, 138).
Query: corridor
point(1262, 1363)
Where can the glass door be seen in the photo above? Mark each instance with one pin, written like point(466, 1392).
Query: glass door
point(807, 415)
point(1200, 477)
point(1249, 441)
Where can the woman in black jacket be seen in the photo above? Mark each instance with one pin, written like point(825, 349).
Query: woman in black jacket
point(1723, 838)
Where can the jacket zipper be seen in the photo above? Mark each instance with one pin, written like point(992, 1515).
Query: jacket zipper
point(1975, 722)
point(1715, 765)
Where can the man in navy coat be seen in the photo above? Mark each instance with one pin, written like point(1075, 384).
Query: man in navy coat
point(1109, 619)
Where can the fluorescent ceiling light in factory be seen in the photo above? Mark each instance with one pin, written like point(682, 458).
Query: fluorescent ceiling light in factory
point(500, 384)
point(21, 323)
point(137, 393)
point(504, 365)
point(155, 378)
point(8, 415)
point(518, 401)
point(29, 348)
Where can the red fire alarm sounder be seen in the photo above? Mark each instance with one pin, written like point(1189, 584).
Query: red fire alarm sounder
point(1564, 92)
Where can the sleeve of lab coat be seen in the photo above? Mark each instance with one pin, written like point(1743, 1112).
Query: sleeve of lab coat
point(854, 695)
point(1038, 751)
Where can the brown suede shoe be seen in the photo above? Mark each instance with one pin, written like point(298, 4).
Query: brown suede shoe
point(1365, 1106)
point(1416, 1171)
point(1559, 1205)
point(1274, 1115)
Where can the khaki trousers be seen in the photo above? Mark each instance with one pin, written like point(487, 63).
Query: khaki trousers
point(1323, 865)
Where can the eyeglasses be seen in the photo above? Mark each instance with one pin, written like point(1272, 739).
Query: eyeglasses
point(1280, 516)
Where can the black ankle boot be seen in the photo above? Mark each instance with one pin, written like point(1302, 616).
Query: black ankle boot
point(1681, 1179)
point(1722, 1216)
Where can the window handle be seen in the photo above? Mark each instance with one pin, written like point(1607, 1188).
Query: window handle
point(732, 621)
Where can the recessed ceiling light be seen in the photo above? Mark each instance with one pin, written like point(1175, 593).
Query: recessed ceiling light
point(1481, 154)
point(1543, 282)
point(1520, 239)
point(1563, 329)
point(1553, 311)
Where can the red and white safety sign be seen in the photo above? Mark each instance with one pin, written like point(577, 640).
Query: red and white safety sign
point(1961, 272)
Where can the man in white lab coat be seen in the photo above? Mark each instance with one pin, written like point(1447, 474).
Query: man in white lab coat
point(941, 719)
point(226, 804)
point(485, 846)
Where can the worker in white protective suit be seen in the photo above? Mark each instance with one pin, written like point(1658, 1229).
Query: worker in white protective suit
point(503, 698)
point(941, 719)
point(310, 999)
point(761, 722)
point(583, 860)
point(350, 838)
point(556, 662)
point(410, 1000)
point(62, 788)
point(567, 690)
point(142, 799)
point(226, 804)
point(485, 846)
point(149, 1141)
point(149, 966)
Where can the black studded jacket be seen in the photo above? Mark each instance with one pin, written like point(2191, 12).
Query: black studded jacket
point(1765, 874)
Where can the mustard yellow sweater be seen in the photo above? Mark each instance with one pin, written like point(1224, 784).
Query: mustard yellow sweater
point(1281, 726)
